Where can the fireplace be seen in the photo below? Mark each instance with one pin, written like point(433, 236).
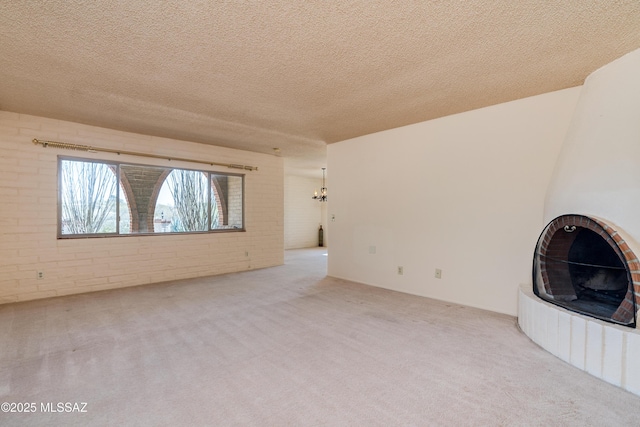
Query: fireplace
point(582, 304)
point(584, 265)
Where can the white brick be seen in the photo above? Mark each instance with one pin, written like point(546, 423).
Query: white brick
point(552, 331)
point(632, 366)
point(594, 350)
point(613, 355)
point(564, 336)
point(578, 341)
point(540, 324)
point(531, 301)
point(522, 302)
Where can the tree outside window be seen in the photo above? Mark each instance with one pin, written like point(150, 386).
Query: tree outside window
point(149, 199)
point(88, 197)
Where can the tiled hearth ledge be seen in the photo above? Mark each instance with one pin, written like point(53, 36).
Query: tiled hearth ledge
point(607, 351)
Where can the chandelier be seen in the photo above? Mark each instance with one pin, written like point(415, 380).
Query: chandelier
point(323, 191)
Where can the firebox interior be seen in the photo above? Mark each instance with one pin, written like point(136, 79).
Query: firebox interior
point(597, 275)
point(577, 268)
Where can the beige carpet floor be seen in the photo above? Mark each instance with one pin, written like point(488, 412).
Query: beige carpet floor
point(286, 346)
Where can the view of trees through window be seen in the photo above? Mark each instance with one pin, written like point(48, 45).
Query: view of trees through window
point(88, 197)
point(102, 198)
point(190, 197)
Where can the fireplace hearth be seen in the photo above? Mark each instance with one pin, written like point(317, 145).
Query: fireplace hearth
point(582, 264)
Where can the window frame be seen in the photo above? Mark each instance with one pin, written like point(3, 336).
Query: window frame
point(117, 165)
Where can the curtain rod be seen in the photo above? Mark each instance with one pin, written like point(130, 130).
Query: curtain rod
point(90, 149)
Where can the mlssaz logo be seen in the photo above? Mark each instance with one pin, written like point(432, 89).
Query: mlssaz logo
point(63, 407)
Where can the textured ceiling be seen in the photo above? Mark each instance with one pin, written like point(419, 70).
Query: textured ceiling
point(256, 75)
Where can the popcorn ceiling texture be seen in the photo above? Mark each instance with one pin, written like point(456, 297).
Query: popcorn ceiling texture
point(295, 75)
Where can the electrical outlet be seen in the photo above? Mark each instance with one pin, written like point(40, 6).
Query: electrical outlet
point(372, 249)
point(333, 218)
point(438, 273)
point(40, 275)
point(400, 270)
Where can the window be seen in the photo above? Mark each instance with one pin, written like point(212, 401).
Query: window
point(110, 199)
point(88, 192)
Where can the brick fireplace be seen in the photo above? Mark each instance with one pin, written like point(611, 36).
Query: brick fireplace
point(584, 265)
point(557, 315)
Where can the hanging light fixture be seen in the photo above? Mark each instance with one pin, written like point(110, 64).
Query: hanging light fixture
point(323, 191)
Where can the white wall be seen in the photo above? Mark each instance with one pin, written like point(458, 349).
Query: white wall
point(302, 214)
point(28, 216)
point(598, 170)
point(463, 193)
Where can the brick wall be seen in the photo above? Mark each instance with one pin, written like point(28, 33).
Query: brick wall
point(28, 216)
point(234, 201)
point(142, 185)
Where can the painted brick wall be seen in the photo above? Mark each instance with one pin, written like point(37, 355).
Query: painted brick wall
point(234, 201)
point(28, 216)
point(303, 215)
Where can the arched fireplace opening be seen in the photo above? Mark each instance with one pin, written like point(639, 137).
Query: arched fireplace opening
point(581, 264)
